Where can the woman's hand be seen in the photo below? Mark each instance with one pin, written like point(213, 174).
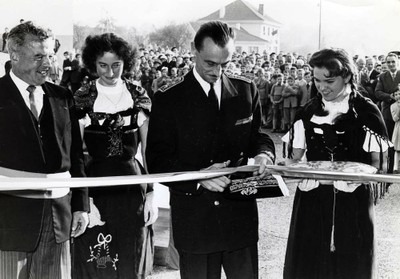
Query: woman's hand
point(150, 210)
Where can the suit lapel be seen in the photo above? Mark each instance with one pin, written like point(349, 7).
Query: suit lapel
point(22, 115)
point(59, 111)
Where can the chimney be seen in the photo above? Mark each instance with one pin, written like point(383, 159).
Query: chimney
point(222, 12)
point(261, 9)
point(238, 26)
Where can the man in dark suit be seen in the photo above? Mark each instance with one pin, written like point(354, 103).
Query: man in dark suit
point(76, 73)
point(388, 83)
point(39, 133)
point(372, 73)
point(67, 68)
point(4, 36)
point(210, 120)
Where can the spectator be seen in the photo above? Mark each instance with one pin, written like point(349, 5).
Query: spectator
point(388, 84)
point(302, 83)
point(55, 70)
point(263, 90)
point(276, 97)
point(290, 95)
point(154, 85)
point(395, 110)
point(5, 35)
point(174, 75)
point(67, 68)
point(307, 96)
point(76, 73)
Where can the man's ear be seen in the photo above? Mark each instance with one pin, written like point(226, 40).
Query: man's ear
point(14, 56)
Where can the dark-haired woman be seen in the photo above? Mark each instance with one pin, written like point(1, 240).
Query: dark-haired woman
point(332, 227)
point(114, 114)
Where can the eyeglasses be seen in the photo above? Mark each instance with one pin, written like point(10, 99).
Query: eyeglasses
point(390, 62)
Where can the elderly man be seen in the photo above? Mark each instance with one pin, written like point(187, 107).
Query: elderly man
point(210, 120)
point(39, 133)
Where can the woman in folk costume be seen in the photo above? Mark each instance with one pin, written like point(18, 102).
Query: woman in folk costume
point(114, 117)
point(332, 227)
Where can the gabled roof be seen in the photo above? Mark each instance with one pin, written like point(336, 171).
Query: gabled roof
point(241, 34)
point(240, 11)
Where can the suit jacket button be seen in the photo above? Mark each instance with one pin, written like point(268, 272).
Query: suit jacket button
point(216, 203)
point(211, 161)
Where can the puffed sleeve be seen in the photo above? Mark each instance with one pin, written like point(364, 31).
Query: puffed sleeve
point(299, 138)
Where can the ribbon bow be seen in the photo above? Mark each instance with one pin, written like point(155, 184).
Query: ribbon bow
point(103, 240)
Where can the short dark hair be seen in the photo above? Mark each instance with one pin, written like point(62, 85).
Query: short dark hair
point(217, 31)
point(96, 45)
point(336, 60)
point(16, 37)
point(391, 54)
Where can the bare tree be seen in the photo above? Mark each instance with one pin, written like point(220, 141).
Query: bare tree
point(80, 34)
point(172, 35)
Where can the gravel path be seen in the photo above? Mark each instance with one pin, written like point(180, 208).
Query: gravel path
point(274, 227)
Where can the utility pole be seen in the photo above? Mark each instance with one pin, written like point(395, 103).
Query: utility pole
point(320, 24)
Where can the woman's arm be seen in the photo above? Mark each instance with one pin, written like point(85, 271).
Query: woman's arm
point(375, 160)
point(143, 140)
point(297, 155)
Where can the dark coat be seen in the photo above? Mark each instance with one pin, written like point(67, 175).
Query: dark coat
point(66, 76)
point(184, 135)
point(385, 87)
point(57, 148)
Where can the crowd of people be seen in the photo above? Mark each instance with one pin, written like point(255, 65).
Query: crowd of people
point(187, 111)
point(284, 80)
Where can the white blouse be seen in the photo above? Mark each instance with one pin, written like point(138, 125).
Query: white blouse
point(113, 99)
point(371, 143)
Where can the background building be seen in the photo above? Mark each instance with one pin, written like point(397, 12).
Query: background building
point(255, 31)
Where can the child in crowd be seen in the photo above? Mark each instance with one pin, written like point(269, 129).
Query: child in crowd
point(290, 93)
point(395, 109)
point(276, 97)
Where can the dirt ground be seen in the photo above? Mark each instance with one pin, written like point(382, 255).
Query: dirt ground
point(274, 215)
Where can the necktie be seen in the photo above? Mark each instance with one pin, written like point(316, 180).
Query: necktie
point(308, 87)
point(32, 103)
point(212, 98)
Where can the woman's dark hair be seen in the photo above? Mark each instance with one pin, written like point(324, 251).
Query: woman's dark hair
point(96, 45)
point(336, 61)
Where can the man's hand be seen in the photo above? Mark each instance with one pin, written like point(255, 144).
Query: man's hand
point(263, 160)
point(217, 184)
point(150, 209)
point(80, 220)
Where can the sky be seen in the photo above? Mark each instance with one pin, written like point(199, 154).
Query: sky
point(364, 25)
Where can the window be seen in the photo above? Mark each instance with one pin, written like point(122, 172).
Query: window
point(253, 49)
point(264, 30)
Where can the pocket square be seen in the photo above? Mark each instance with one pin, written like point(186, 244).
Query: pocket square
point(244, 120)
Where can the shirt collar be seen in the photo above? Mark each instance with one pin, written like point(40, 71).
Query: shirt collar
point(21, 85)
point(204, 84)
point(22, 88)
